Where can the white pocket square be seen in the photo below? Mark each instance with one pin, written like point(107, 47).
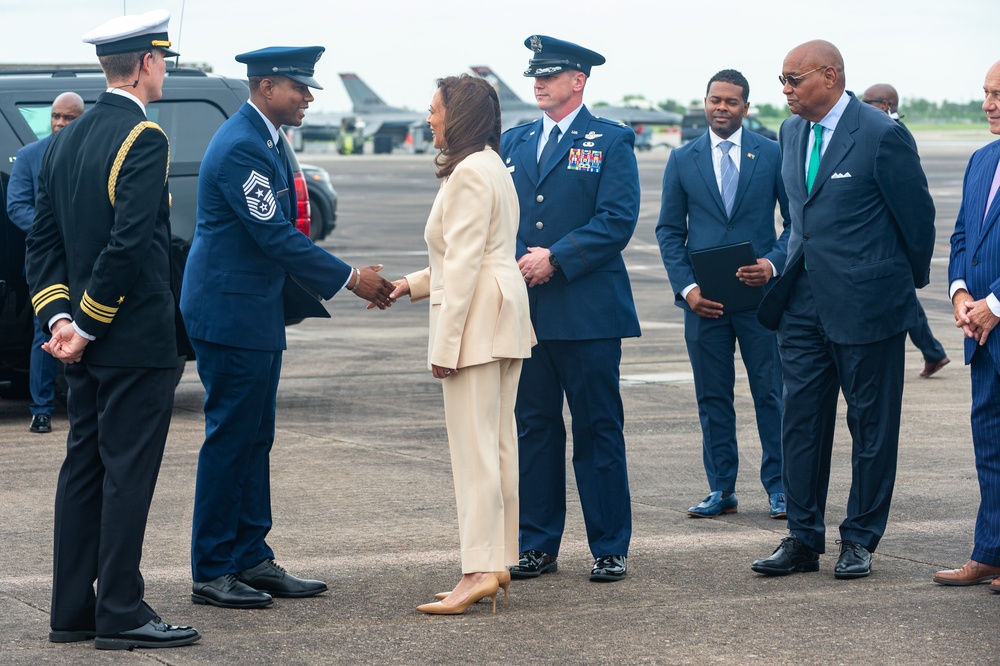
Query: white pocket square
point(841, 175)
point(510, 169)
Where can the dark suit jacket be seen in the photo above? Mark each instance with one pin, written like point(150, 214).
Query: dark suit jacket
point(246, 241)
point(693, 216)
point(866, 231)
point(975, 244)
point(24, 183)
point(583, 207)
point(100, 245)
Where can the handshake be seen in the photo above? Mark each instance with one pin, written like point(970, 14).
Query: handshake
point(369, 285)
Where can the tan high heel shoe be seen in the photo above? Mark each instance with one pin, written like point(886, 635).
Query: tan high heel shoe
point(487, 588)
point(503, 580)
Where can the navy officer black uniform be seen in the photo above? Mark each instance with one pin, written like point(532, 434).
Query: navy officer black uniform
point(579, 198)
point(245, 243)
point(98, 265)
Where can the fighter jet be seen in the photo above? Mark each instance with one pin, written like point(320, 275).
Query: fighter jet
point(378, 118)
point(516, 111)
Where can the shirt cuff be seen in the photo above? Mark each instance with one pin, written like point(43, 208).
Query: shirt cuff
point(83, 333)
point(55, 318)
point(774, 269)
point(955, 286)
point(994, 304)
point(687, 290)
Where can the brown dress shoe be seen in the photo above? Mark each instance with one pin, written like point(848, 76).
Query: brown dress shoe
point(973, 573)
point(931, 367)
point(995, 585)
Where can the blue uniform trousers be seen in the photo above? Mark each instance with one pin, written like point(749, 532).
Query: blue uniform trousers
point(232, 502)
point(871, 378)
point(42, 374)
point(587, 372)
point(986, 443)
point(711, 345)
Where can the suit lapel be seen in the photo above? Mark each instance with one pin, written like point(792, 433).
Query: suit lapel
point(703, 160)
point(527, 152)
point(840, 144)
point(981, 219)
point(800, 141)
point(748, 162)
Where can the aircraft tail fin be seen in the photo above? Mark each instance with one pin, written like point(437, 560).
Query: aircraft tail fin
point(504, 93)
point(362, 97)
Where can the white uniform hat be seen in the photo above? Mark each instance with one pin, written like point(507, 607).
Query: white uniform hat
point(132, 33)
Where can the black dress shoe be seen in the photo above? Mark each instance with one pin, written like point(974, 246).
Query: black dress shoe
point(532, 564)
point(71, 635)
point(229, 592)
point(609, 568)
point(792, 555)
point(154, 634)
point(269, 577)
point(855, 561)
point(41, 423)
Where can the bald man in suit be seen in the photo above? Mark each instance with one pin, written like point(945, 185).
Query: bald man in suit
point(861, 241)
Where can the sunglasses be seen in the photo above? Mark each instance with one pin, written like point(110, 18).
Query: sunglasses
point(794, 81)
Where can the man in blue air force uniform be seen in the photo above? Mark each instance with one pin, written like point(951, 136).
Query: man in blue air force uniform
point(578, 187)
point(245, 243)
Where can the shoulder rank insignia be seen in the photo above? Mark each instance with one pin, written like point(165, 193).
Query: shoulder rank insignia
point(591, 135)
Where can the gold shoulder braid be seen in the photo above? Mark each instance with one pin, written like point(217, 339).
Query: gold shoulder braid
point(123, 152)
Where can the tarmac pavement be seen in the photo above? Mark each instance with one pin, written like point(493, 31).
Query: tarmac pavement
point(363, 497)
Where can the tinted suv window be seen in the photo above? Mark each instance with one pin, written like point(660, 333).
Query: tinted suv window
point(189, 124)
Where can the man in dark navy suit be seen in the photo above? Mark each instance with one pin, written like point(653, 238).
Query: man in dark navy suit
point(98, 265)
point(884, 96)
point(21, 191)
point(974, 278)
point(245, 243)
point(862, 238)
point(717, 190)
point(578, 187)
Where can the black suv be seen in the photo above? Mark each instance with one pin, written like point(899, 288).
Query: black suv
point(193, 107)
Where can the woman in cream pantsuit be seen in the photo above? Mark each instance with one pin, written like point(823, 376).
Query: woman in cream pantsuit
point(480, 330)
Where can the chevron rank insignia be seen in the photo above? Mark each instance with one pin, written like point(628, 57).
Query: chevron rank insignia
point(260, 198)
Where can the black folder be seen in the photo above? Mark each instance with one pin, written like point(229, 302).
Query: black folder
point(301, 301)
point(715, 271)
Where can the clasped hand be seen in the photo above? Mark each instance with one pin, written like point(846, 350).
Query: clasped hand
point(373, 287)
point(535, 266)
point(974, 317)
point(66, 344)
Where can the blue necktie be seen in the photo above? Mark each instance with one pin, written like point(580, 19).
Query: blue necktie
point(550, 147)
point(730, 176)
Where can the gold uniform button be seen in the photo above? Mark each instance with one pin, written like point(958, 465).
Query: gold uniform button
point(539, 225)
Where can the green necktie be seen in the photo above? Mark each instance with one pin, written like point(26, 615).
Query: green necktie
point(814, 158)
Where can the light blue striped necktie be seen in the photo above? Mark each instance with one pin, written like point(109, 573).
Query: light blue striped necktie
point(730, 176)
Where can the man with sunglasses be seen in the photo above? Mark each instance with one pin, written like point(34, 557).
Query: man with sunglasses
point(861, 241)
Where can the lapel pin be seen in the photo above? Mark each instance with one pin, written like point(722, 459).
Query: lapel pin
point(591, 135)
point(269, 144)
point(751, 156)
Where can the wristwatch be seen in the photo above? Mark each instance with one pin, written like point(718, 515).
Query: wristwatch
point(553, 261)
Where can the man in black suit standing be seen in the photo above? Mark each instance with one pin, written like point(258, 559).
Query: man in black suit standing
point(862, 238)
point(884, 96)
point(98, 267)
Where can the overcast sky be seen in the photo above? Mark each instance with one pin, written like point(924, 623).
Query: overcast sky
point(665, 49)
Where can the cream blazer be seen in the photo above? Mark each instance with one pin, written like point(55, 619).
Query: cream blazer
point(478, 299)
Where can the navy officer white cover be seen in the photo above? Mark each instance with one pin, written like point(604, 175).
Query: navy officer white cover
point(132, 33)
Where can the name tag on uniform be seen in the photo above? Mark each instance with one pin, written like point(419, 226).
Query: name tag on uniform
point(582, 159)
point(281, 193)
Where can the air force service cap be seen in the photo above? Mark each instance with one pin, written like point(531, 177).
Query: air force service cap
point(296, 62)
point(132, 33)
point(556, 55)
